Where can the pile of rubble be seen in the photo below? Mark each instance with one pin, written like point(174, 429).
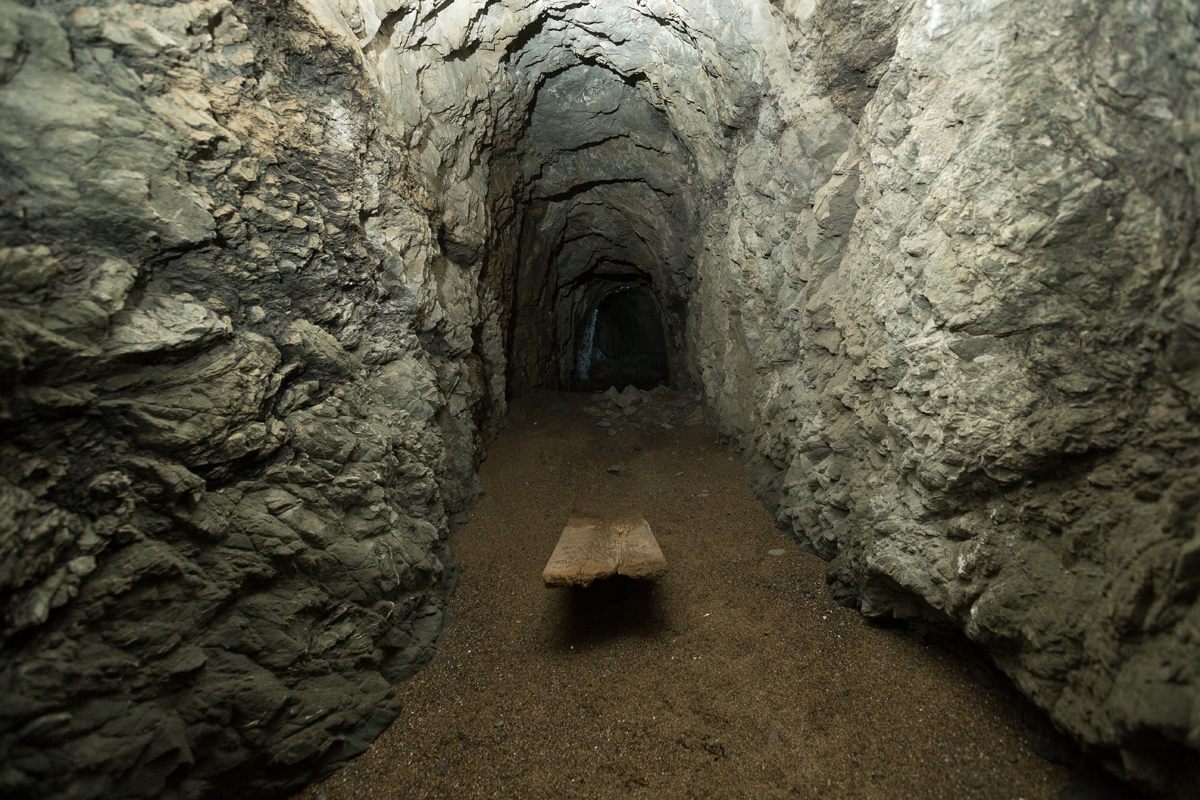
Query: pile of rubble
point(633, 407)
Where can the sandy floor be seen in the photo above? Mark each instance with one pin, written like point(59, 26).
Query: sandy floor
point(735, 677)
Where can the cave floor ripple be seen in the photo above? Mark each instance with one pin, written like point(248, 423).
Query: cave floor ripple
point(736, 676)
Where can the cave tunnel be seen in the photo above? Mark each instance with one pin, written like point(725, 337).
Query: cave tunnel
point(321, 320)
point(602, 188)
point(622, 342)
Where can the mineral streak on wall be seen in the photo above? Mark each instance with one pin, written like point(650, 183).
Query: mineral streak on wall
point(268, 270)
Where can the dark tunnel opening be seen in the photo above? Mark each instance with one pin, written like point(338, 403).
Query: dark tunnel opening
point(598, 262)
point(622, 342)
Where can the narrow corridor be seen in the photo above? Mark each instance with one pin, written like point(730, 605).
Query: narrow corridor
point(735, 676)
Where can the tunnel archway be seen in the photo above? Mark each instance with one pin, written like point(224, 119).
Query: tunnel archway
point(623, 342)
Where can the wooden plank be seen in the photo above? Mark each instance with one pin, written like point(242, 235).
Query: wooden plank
point(587, 550)
point(640, 556)
point(590, 549)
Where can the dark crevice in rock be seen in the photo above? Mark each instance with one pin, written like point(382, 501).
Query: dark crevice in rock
point(533, 29)
point(587, 187)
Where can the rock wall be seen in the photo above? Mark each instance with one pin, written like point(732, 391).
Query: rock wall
point(269, 269)
point(237, 408)
point(958, 340)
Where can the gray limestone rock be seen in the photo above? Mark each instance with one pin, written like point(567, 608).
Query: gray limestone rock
point(951, 370)
point(224, 480)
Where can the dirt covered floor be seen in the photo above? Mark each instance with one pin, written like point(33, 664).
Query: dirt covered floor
point(736, 676)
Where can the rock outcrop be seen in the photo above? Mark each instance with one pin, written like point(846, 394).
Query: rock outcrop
point(970, 337)
point(270, 269)
point(236, 411)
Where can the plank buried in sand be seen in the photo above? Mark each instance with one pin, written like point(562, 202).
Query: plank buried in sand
point(590, 549)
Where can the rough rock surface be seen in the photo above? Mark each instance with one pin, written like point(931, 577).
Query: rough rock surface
point(235, 412)
point(963, 353)
point(269, 268)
